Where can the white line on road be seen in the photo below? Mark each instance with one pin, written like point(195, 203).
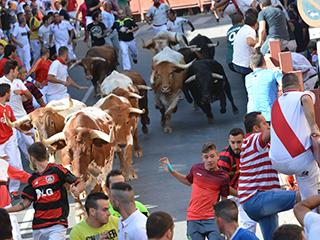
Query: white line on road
point(87, 94)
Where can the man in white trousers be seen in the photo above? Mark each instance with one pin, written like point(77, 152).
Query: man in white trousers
point(158, 15)
point(125, 27)
point(62, 32)
point(21, 39)
point(58, 77)
point(16, 139)
point(292, 125)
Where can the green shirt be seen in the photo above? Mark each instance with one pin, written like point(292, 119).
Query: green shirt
point(139, 206)
point(230, 38)
point(82, 231)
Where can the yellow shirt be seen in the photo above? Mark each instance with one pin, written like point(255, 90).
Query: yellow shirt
point(82, 231)
point(34, 34)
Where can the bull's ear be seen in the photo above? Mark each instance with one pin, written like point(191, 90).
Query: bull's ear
point(26, 126)
point(99, 142)
point(59, 144)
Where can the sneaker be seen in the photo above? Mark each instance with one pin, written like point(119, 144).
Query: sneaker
point(135, 61)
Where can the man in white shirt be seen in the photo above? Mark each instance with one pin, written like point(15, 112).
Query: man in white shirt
point(132, 224)
point(108, 19)
point(62, 32)
point(307, 218)
point(176, 24)
point(58, 77)
point(293, 124)
point(44, 33)
point(18, 92)
point(243, 45)
point(21, 39)
point(158, 14)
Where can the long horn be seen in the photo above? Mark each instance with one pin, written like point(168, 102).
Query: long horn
point(100, 134)
point(134, 95)
point(74, 64)
point(98, 59)
point(54, 138)
point(136, 110)
point(184, 66)
point(216, 75)
point(213, 44)
point(17, 122)
point(63, 108)
point(144, 87)
point(192, 78)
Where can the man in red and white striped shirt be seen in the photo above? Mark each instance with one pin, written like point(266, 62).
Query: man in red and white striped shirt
point(259, 188)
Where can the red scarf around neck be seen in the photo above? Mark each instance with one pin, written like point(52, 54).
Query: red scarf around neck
point(61, 60)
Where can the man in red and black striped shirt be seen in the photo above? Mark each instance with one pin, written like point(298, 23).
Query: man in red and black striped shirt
point(47, 192)
point(229, 161)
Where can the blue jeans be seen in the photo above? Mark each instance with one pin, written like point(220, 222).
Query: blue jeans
point(242, 70)
point(202, 229)
point(264, 206)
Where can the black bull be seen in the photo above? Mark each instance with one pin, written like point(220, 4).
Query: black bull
point(207, 82)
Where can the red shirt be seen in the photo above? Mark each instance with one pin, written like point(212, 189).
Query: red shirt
point(5, 131)
point(207, 187)
point(41, 70)
point(72, 5)
point(83, 10)
point(3, 62)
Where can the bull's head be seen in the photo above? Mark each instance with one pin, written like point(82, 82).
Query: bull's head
point(45, 121)
point(82, 146)
point(167, 76)
point(87, 63)
point(207, 85)
point(156, 45)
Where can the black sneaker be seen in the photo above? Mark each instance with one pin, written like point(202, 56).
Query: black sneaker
point(135, 61)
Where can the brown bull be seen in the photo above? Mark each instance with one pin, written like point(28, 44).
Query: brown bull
point(126, 120)
point(167, 78)
point(142, 87)
point(98, 63)
point(88, 136)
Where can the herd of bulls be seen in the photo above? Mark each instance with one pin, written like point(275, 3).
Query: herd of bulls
point(86, 138)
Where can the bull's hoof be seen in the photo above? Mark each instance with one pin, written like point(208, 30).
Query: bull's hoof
point(223, 110)
point(163, 122)
point(145, 130)
point(175, 110)
point(131, 175)
point(138, 152)
point(235, 110)
point(167, 130)
point(210, 120)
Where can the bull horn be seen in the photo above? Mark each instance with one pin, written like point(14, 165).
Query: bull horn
point(216, 75)
point(192, 78)
point(17, 122)
point(144, 87)
point(136, 110)
point(98, 59)
point(63, 108)
point(75, 64)
point(213, 44)
point(134, 95)
point(184, 66)
point(100, 134)
point(55, 138)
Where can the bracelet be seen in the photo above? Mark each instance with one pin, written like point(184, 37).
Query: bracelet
point(170, 168)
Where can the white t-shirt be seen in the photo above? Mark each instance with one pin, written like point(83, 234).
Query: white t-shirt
point(244, 5)
point(61, 32)
point(133, 228)
point(160, 14)
point(44, 34)
point(60, 71)
point(15, 100)
point(311, 223)
point(241, 50)
point(107, 19)
point(21, 34)
point(293, 113)
point(177, 25)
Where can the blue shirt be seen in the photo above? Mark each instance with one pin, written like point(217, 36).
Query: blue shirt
point(262, 87)
point(243, 234)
